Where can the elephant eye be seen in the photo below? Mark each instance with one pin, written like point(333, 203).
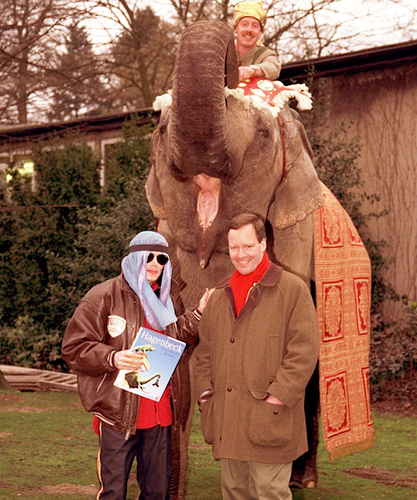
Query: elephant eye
point(264, 132)
point(162, 129)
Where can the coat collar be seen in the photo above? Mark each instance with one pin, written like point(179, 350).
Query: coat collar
point(270, 278)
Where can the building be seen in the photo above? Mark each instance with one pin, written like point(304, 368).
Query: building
point(99, 132)
point(376, 90)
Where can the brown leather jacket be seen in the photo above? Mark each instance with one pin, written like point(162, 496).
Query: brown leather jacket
point(89, 349)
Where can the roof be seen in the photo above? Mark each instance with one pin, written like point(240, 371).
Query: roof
point(359, 61)
point(352, 62)
point(36, 132)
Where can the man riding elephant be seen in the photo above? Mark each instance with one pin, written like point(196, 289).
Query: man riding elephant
point(255, 60)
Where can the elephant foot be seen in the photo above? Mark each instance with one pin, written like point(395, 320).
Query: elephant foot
point(306, 481)
point(296, 482)
point(310, 484)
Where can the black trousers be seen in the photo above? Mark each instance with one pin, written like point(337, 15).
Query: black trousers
point(152, 449)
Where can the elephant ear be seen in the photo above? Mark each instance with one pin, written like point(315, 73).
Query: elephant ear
point(299, 192)
point(154, 195)
point(152, 186)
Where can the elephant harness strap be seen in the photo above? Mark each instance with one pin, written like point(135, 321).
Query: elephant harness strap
point(281, 126)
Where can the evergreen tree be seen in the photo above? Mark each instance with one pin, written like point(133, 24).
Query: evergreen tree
point(77, 87)
point(142, 59)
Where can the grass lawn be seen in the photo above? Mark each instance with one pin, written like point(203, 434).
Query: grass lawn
point(48, 451)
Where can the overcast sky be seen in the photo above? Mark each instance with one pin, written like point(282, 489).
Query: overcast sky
point(378, 19)
point(375, 22)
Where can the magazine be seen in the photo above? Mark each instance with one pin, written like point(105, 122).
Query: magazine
point(163, 354)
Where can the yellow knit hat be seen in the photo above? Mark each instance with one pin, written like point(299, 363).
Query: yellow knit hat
point(249, 9)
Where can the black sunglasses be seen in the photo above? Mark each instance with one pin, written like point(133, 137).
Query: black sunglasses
point(161, 258)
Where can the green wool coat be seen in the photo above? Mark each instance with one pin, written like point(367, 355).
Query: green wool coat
point(271, 348)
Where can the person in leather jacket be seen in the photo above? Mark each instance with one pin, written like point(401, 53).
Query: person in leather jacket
point(97, 345)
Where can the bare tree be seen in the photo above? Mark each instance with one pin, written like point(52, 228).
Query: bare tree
point(142, 59)
point(30, 31)
point(139, 50)
point(136, 45)
point(138, 53)
point(303, 29)
point(300, 29)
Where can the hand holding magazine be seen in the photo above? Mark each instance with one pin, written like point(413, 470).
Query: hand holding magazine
point(163, 354)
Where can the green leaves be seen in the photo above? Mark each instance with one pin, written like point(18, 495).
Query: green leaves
point(393, 357)
point(63, 237)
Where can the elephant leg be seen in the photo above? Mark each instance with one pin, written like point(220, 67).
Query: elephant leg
point(304, 472)
point(179, 463)
point(181, 431)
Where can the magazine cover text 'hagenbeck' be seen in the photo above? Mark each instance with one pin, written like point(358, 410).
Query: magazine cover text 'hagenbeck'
point(163, 354)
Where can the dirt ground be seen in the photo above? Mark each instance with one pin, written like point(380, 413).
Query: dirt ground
point(385, 477)
point(396, 407)
point(389, 477)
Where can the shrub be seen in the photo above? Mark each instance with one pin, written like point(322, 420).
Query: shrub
point(58, 241)
point(393, 357)
point(35, 221)
point(29, 344)
point(102, 240)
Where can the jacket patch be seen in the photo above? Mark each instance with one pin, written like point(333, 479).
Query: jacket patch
point(115, 325)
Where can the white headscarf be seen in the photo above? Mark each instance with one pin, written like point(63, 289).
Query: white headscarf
point(159, 312)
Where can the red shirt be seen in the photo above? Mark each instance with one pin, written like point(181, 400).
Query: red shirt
point(152, 413)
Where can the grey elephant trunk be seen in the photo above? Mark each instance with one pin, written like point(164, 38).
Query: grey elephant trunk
point(205, 55)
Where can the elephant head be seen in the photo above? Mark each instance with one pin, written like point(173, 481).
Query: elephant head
point(215, 154)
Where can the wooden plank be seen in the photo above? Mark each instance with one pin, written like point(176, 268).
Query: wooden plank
point(54, 381)
point(18, 370)
point(32, 379)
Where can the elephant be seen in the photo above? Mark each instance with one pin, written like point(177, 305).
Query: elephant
point(214, 158)
point(215, 155)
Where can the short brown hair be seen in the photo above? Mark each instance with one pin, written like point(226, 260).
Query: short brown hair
point(244, 219)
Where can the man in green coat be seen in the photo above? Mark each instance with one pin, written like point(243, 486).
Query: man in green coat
point(258, 349)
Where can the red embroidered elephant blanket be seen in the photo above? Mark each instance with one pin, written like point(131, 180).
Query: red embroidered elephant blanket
point(343, 295)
